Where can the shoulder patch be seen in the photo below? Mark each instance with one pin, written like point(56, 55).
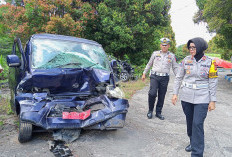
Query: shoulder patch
point(213, 70)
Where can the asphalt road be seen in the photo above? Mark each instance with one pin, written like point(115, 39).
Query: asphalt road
point(140, 136)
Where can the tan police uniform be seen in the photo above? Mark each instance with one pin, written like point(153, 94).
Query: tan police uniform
point(160, 64)
point(196, 82)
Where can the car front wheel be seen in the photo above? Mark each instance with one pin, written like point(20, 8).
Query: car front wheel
point(124, 76)
point(25, 131)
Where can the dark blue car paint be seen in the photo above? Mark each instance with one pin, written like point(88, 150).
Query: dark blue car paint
point(36, 109)
point(62, 80)
point(65, 86)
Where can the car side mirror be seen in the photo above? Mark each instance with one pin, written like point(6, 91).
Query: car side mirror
point(13, 61)
point(114, 64)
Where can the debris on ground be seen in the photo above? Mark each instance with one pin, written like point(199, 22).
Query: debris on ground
point(59, 149)
point(66, 135)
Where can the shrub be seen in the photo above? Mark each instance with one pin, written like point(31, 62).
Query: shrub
point(4, 74)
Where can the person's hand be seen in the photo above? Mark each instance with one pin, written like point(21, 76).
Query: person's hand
point(211, 106)
point(174, 99)
point(143, 77)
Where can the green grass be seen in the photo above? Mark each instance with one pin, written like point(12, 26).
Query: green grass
point(129, 88)
point(1, 123)
point(213, 55)
point(5, 107)
point(4, 81)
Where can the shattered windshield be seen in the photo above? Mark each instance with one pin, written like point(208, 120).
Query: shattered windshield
point(50, 53)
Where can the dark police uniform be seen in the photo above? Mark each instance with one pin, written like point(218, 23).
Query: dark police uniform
point(197, 82)
point(161, 63)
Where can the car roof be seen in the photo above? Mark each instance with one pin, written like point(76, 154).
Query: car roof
point(63, 37)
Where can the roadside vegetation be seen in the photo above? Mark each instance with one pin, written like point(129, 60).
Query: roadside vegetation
point(129, 88)
point(5, 109)
point(213, 55)
point(217, 14)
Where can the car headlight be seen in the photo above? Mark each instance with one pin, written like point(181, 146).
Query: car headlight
point(114, 92)
point(101, 87)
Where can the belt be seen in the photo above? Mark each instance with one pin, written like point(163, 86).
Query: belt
point(160, 74)
point(195, 86)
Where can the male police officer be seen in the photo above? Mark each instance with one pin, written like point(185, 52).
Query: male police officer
point(160, 61)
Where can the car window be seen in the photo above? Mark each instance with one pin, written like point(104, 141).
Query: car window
point(48, 53)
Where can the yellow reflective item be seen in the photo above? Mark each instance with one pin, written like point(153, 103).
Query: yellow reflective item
point(213, 70)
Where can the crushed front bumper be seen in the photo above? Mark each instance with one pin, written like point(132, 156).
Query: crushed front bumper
point(42, 111)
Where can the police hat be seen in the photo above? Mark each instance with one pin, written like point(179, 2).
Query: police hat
point(164, 41)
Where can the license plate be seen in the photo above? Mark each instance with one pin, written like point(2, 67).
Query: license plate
point(76, 115)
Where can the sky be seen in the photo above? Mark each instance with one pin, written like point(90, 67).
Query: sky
point(182, 12)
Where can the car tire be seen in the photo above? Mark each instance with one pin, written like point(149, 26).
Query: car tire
point(124, 76)
point(25, 131)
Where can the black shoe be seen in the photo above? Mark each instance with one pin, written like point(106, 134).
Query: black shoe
point(149, 114)
point(188, 148)
point(160, 116)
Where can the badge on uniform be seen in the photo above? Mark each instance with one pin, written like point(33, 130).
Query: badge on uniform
point(189, 61)
point(187, 71)
point(203, 58)
point(169, 60)
point(170, 56)
point(188, 67)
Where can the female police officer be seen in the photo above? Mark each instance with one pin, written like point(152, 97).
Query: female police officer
point(197, 79)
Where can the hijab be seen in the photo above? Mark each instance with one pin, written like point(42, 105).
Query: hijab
point(201, 45)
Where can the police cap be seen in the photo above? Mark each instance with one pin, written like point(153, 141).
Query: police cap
point(164, 41)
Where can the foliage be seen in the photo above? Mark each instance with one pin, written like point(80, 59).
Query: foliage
point(180, 54)
point(5, 49)
point(217, 14)
point(4, 74)
point(65, 17)
point(214, 47)
point(132, 27)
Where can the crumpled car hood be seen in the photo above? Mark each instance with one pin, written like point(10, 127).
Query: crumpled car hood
point(63, 80)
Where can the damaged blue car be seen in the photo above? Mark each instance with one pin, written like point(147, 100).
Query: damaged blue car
point(63, 83)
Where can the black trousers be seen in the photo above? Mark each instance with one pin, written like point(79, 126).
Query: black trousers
point(195, 117)
point(158, 84)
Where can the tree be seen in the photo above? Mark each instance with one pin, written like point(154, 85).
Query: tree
point(129, 27)
point(66, 17)
point(217, 14)
point(132, 27)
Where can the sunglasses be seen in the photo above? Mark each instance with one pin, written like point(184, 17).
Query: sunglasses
point(192, 48)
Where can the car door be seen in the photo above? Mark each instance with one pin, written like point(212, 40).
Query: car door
point(16, 73)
